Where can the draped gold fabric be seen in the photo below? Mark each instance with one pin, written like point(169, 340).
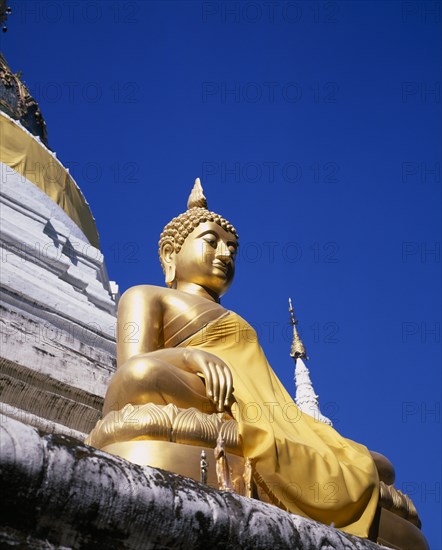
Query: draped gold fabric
point(28, 157)
point(301, 464)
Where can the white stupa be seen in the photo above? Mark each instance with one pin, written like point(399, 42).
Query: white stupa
point(58, 321)
point(306, 398)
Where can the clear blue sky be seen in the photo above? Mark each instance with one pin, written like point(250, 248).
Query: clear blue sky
point(316, 129)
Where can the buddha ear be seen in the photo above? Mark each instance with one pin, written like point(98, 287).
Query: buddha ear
point(167, 254)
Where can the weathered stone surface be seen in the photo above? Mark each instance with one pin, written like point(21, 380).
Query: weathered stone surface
point(60, 493)
point(57, 325)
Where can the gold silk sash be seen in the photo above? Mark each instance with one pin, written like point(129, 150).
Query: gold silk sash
point(27, 156)
point(194, 319)
point(301, 464)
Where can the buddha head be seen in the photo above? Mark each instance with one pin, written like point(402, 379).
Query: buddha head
point(199, 247)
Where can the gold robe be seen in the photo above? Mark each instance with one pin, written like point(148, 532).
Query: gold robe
point(301, 464)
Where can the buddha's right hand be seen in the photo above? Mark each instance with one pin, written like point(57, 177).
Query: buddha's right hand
point(216, 374)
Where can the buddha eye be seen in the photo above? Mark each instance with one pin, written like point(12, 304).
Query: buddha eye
point(210, 239)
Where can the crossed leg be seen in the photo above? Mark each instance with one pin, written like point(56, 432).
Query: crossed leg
point(144, 379)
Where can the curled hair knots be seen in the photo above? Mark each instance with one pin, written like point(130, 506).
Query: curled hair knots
point(179, 228)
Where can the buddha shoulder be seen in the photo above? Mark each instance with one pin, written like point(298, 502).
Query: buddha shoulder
point(141, 297)
point(155, 299)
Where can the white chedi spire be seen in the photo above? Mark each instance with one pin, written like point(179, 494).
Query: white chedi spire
point(306, 398)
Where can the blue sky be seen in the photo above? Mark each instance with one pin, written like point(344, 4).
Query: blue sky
point(316, 130)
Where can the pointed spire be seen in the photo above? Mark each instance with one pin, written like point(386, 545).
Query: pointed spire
point(306, 398)
point(297, 350)
point(196, 197)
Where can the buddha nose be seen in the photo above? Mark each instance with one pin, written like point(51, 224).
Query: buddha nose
point(223, 252)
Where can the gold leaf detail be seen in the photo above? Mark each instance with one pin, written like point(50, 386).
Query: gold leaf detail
point(194, 427)
point(229, 432)
point(130, 423)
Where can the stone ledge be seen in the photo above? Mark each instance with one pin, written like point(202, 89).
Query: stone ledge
point(57, 490)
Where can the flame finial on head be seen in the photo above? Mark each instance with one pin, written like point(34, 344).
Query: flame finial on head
point(196, 197)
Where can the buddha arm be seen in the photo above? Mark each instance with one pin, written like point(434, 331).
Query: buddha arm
point(140, 338)
point(173, 375)
point(140, 323)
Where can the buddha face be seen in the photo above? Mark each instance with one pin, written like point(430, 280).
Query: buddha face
point(206, 258)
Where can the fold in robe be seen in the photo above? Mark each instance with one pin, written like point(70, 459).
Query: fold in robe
point(301, 464)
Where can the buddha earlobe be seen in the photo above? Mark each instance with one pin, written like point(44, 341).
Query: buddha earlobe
point(170, 275)
point(168, 260)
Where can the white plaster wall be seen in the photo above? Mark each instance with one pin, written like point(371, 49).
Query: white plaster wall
point(58, 308)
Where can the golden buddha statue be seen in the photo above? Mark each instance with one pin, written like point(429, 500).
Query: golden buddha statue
point(191, 373)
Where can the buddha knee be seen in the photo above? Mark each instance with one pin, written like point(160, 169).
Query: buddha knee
point(144, 370)
point(138, 381)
